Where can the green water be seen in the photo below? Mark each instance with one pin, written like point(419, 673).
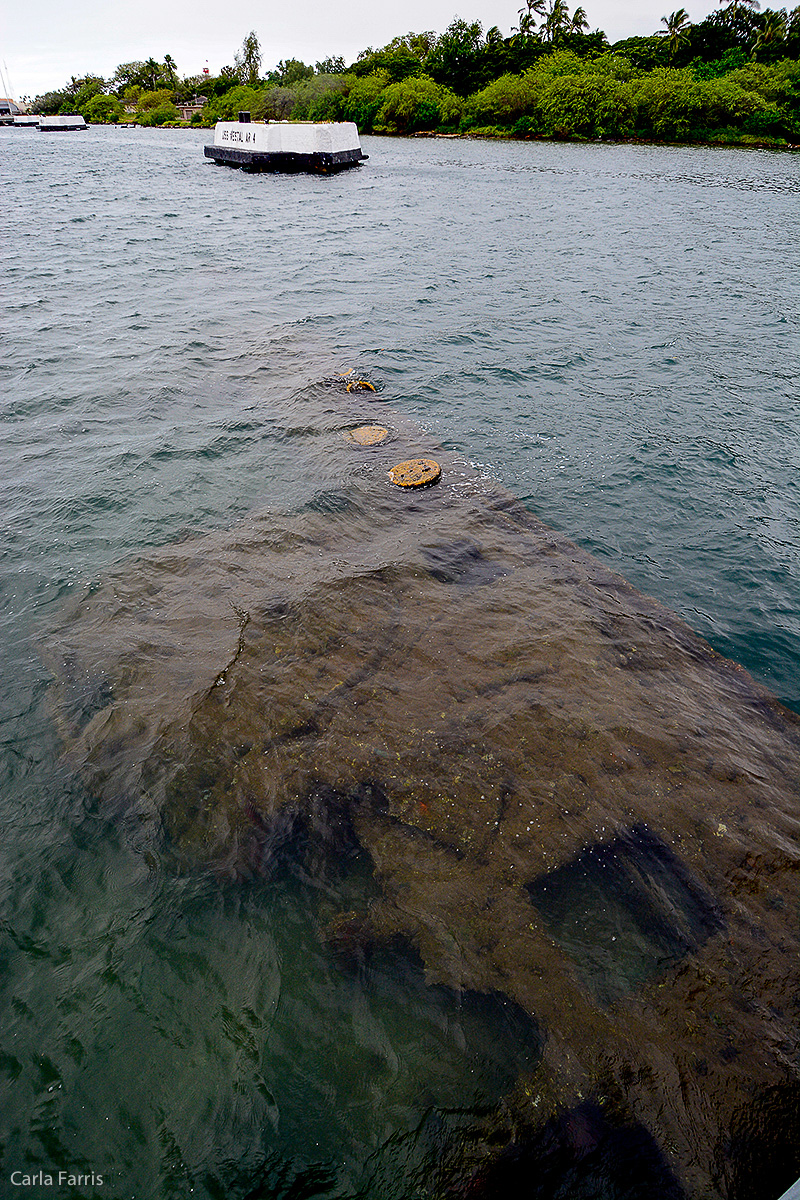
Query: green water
point(610, 332)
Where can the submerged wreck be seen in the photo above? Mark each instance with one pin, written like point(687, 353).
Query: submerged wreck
point(568, 799)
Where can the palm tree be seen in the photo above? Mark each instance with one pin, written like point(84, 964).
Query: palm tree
point(151, 70)
point(579, 21)
point(773, 30)
point(556, 22)
point(677, 30)
point(171, 69)
point(526, 23)
point(732, 6)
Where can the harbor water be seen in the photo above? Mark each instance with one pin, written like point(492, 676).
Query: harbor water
point(242, 669)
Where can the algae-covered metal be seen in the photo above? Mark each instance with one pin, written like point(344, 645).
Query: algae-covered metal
point(568, 799)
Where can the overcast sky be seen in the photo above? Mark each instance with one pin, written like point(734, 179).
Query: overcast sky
point(41, 46)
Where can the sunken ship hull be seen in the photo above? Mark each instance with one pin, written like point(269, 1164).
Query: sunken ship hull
point(566, 796)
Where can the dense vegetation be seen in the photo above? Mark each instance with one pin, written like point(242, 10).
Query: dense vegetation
point(734, 77)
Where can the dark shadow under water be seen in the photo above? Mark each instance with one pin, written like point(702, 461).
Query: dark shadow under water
point(575, 813)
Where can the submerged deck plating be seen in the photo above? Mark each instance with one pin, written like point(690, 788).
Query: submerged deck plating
point(568, 798)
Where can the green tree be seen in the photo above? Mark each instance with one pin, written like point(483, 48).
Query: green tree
point(587, 105)
point(152, 100)
point(418, 44)
point(676, 31)
point(82, 91)
point(504, 100)
point(184, 90)
point(237, 99)
point(218, 85)
point(103, 110)
point(151, 73)
point(579, 22)
point(171, 71)
point(557, 26)
point(734, 7)
point(730, 61)
point(248, 60)
point(725, 104)
point(771, 38)
point(722, 31)
point(562, 96)
point(398, 61)
point(364, 98)
point(51, 102)
point(279, 102)
point(457, 58)
point(416, 104)
point(643, 53)
point(127, 75)
point(164, 114)
point(320, 98)
point(556, 22)
point(778, 85)
point(331, 66)
point(667, 103)
point(289, 71)
point(563, 62)
point(793, 34)
point(527, 27)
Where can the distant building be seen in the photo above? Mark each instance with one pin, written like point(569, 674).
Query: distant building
point(196, 105)
point(9, 108)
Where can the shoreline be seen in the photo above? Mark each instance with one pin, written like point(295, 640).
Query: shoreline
point(502, 136)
